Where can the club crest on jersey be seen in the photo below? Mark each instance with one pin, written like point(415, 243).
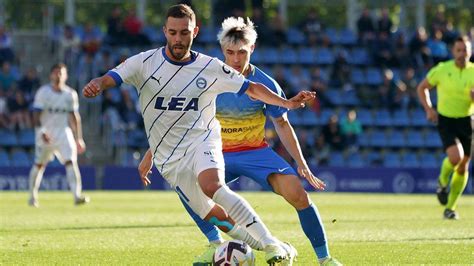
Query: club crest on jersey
point(177, 104)
point(201, 82)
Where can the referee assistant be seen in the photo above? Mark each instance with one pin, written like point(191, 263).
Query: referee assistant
point(454, 80)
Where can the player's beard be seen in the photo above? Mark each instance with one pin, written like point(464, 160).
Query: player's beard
point(178, 55)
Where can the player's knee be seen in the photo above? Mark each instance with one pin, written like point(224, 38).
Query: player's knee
point(210, 189)
point(298, 198)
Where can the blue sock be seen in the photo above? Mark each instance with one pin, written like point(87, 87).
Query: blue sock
point(208, 229)
point(314, 230)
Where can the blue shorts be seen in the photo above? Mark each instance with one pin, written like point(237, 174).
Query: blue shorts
point(256, 165)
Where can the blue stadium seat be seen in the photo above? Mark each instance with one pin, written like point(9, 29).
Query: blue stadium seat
point(428, 160)
point(26, 137)
point(324, 57)
point(295, 118)
point(289, 56)
point(20, 158)
point(397, 139)
point(433, 140)
point(4, 159)
point(336, 159)
point(347, 37)
point(349, 98)
point(356, 160)
point(364, 139)
point(207, 35)
point(374, 158)
point(418, 118)
point(153, 34)
point(374, 76)
point(365, 117)
point(358, 77)
point(359, 57)
point(295, 36)
point(400, 118)
point(382, 118)
point(410, 160)
point(378, 139)
point(333, 35)
point(8, 138)
point(415, 139)
point(392, 159)
point(129, 159)
point(270, 56)
point(309, 118)
point(306, 56)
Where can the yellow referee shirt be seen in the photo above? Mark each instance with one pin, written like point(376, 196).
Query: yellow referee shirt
point(454, 88)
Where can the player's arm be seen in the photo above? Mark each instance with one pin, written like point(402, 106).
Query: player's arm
point(261, 92)
point(290, 141)
point(38, 127)
point(75, 123)
point(424, 96)
point(97, 85)
point(144, 168)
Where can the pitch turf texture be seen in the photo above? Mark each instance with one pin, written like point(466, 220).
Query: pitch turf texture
point(152, 228)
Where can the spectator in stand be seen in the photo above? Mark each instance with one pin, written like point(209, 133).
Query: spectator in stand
point(419, 50)
point(4, 121)
point(298, 80)
point(319, 85)
point(279, 76)
point(438, 48)
point(351, 129)
point(384, 23)
point(264, 32)
point(29, 83)
point(114, 27)
point(6, 51)
point(383, 52)
point(365, 27)
point(312, 26)
point(19, 111)
point(278, 30)
point(400, 52)
point(104, 62)
point(323, 150)
point(439, 23)
point(133, 27)
point(391, 94)
point(7, 79)
point(69, 47)
point(110, 110)
point(91, 40)
point(86, 69)
point(410, 82)
point(340, 71)
point(332, 133)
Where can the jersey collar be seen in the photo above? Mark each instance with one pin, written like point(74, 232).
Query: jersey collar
point(193, 58)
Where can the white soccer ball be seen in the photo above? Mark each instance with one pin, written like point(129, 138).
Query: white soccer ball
point(233, 253)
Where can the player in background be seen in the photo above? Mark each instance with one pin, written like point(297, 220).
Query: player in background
point(177, 90)
point(454, 80)
point(246, 151)
point(58, 132)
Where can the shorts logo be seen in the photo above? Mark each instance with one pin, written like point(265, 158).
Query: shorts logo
point(201, 83)
point(282, 169)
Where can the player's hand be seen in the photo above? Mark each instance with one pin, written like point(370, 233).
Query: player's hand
point(92, 89)
point(300, 99)
point(46, 138)
point(81, 146)
point(432, 115)
point(317, 183)
point(144, 169)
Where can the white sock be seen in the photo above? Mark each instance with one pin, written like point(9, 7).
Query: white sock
point(74, 178)
point(244, 215)
point(36, 174)
point(240, 234)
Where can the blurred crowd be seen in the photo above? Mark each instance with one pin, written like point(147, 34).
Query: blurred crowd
point(396, 60)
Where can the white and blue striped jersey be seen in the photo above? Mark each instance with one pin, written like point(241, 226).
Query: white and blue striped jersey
point(55, 107)
point(178, 100)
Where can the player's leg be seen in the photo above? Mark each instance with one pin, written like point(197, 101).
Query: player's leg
point(453, 157)
point(43, 154)
point(461, 172)
point(67, 153)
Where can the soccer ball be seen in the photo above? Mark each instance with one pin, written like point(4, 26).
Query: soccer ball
point(233, 253)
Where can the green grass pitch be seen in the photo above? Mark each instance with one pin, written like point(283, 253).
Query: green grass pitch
point(152, 228)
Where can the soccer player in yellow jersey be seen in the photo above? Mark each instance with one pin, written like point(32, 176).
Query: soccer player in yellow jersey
point(454, 80)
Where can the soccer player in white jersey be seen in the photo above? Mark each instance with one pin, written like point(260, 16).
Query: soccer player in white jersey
point(58, 132)
point(177, 90)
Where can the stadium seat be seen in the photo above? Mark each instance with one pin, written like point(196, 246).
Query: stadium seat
point(378, 139)
point(289, 56)
point(295, 118)
point(306, 56)
point(355, 160)
point(391, 159)
point(382, 118)
point(295, 36)
point(349, 98)
point(347, 37)
point(336, 160)
point(359, 57)
point(324, 57)
point(428, 160)
point(396, 139)
point(432, 139)
point(20, 158)
point(8, 138)
point(415, 139)
point(358, 77)
point(374, 76)
point(26, 137)
point(270, 56)
point(365, 117)
point(418, 118)
point(364, 139)
point(400, 118)
point(4, 159)
point(410, 159)
point(310, 118)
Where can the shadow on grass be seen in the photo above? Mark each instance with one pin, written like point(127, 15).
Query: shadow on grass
point(102, 227)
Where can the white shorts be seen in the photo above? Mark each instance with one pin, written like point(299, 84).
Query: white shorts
point(64, 149)
point(182, 175)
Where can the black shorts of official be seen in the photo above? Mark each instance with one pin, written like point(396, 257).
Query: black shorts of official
point(451, 129)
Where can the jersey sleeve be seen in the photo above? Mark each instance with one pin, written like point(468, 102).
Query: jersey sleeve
point(273, 110)
point(40, 100)
point(75, 102)
point(128, 71)
point(433, 75)
point(228, 79)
